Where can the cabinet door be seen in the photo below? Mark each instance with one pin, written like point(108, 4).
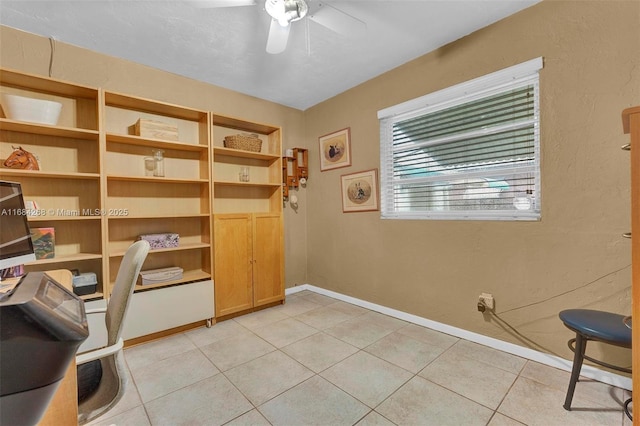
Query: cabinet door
point(268, 274)
point(233, 259)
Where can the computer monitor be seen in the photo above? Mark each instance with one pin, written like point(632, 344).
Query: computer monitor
point(16, 247)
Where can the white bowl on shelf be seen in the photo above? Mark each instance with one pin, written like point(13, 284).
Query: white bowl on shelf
point(29, 109)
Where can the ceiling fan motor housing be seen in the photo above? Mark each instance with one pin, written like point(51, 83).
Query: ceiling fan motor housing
point(286, 11)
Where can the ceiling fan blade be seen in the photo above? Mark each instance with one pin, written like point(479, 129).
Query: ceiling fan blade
point(278, 37)
point(221, 3)
point(338, 21)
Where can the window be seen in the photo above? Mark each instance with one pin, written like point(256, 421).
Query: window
point(471, 151)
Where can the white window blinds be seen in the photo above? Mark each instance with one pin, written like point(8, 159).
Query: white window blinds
point(467, 152)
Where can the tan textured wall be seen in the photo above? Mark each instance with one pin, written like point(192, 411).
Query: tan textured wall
point(436, 269)
point(30, 53)
point(573, 257)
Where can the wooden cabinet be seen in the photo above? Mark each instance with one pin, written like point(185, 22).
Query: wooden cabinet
point(248, 231)
point(249, 261)
point(233, 263)
point(67, 188)
point(631, 126)
point(268, 259)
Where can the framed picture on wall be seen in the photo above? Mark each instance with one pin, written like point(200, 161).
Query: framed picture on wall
point(360, 191)
point(335, 150)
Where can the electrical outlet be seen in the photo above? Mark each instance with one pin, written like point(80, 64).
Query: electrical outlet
point(487, 300)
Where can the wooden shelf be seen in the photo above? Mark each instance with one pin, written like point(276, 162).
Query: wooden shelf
point(44, 129)
point(42, 84)
point(93, 296)
point(229, 152)
point(80, 104)
point(155, 179)
point(154, 143)
point(119, 100)
point(167, 250)
point(151, 217)
point(240, 124)
point(69, 218)
point(67, 258)
point(51, 175)
point(263, 192)
point(248, 184)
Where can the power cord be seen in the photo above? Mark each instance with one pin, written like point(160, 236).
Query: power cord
point(504, 324)
point(52, 44)
point(568, 291)
point(512, 330)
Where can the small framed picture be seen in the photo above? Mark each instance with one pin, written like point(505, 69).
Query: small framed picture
point(360, 191)
point(335, 150)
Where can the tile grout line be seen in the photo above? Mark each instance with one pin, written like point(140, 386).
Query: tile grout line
point(363, 349)
point(503, 346)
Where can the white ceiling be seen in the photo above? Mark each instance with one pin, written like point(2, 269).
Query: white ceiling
point(226, 46)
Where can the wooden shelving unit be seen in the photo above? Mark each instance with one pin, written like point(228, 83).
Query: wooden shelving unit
point(178, 202)
point(631, 126)
point(94, 190)
point(67, 189)
point(248, 218)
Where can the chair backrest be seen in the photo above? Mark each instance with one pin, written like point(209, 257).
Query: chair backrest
point(121, 294)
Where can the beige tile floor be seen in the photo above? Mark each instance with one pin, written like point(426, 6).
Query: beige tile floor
point(319, 361)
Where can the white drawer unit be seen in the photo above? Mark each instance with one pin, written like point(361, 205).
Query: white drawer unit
point(165, 308)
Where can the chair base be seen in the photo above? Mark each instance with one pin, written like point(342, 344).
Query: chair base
point(627, 411)
point(578, 358)
point(579, 346)
point(597, 326)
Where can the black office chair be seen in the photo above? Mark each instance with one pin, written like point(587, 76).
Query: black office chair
point(598, 326)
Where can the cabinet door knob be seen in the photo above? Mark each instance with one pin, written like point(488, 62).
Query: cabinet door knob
point(627, 235)
point(626, 147)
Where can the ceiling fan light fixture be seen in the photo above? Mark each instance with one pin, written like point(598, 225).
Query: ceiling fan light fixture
point(286, 11)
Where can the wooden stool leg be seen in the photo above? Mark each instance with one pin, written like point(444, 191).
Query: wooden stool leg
point(578, 357)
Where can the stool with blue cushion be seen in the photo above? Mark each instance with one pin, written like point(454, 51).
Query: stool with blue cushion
point(593, 325)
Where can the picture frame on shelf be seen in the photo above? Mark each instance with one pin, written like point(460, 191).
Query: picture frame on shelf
point(360, 191)
point(335, 149)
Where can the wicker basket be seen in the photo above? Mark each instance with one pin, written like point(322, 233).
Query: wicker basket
point(243, 142)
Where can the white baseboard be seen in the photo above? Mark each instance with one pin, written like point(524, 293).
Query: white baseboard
point(527, 353)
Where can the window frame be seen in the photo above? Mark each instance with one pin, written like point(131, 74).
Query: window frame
point(526, 73)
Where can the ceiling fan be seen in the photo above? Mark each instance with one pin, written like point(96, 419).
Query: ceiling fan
point(284, 12)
